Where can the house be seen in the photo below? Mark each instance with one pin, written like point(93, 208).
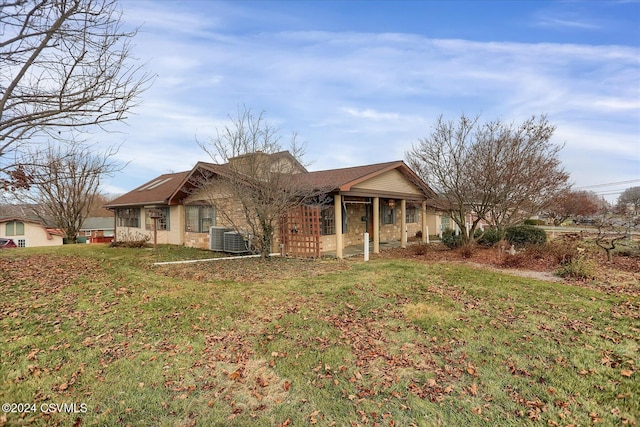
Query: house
point(27, 232)
point(387, 200)
point(97, 229)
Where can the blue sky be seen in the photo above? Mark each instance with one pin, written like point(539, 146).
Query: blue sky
point(361, 81)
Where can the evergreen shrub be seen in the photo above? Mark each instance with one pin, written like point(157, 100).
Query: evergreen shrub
point(523, 235)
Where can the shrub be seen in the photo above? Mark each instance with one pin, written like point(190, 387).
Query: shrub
point(466, 250)
point(522, 235)
point(534, 222)
point(131, 240)
point(577, 268)
point(490, 236)
point(563, 251)
point(450, 239)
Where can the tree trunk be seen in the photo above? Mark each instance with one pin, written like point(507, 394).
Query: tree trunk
point(266, 240)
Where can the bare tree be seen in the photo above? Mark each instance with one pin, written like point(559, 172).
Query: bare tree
point(497, 172)
point(567, 204)
point(614, 228)
point(629, 200)
point(257, 183)
point(97, 209)
point(64, 64)
point(442, 160)
point(64, 183)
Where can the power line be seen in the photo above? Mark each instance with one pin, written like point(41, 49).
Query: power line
point(608, 185)
point(609, 193)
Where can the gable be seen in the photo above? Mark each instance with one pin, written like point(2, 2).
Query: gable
point(392, 181)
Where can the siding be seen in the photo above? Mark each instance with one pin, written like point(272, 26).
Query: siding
point(34, 235)
point(392, 181)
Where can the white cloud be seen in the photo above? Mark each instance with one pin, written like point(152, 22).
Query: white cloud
point(549, 21)
point(370, 114)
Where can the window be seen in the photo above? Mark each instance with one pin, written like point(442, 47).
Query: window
point(412, 215)
point(21, 243)
point(15, 228)
point(328, 221)
point(445, 222)
point(198, 219)
point(388, 214)
point(163, 221)
point(128, 217)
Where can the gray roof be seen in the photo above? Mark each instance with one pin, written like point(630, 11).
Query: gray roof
point(98, 223)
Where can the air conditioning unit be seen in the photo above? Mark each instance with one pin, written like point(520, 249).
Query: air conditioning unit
point(216, 238)
point(234, 242)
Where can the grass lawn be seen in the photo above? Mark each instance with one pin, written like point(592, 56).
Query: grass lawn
point(106, 338)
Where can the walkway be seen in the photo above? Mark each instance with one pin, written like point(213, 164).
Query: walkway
point(355, 250)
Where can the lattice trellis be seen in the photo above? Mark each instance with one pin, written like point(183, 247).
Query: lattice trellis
point(300, 232)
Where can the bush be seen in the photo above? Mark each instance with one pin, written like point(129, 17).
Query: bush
point(490, 236)
point(466, 250)
point(534, 222)
point(450, 239)
point(564, 251)
point(130, 240)
point(522, 235)
point(577, 268)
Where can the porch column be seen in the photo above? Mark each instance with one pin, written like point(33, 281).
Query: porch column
point(376, 225)
point(403, 223)
point(337, 201)
point(423, 213)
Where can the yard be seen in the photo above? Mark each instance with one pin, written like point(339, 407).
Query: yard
point(91, 335)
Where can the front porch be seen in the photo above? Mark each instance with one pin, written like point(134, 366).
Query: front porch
point(338, 229)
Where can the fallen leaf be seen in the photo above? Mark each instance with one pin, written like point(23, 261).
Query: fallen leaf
point(473, 389)
point(236, 375)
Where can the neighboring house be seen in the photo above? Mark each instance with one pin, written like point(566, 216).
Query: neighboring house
point(98, 229)
point(383, 199)
point(29, 232)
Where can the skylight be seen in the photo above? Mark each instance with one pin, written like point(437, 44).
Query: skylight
point(155, 184)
